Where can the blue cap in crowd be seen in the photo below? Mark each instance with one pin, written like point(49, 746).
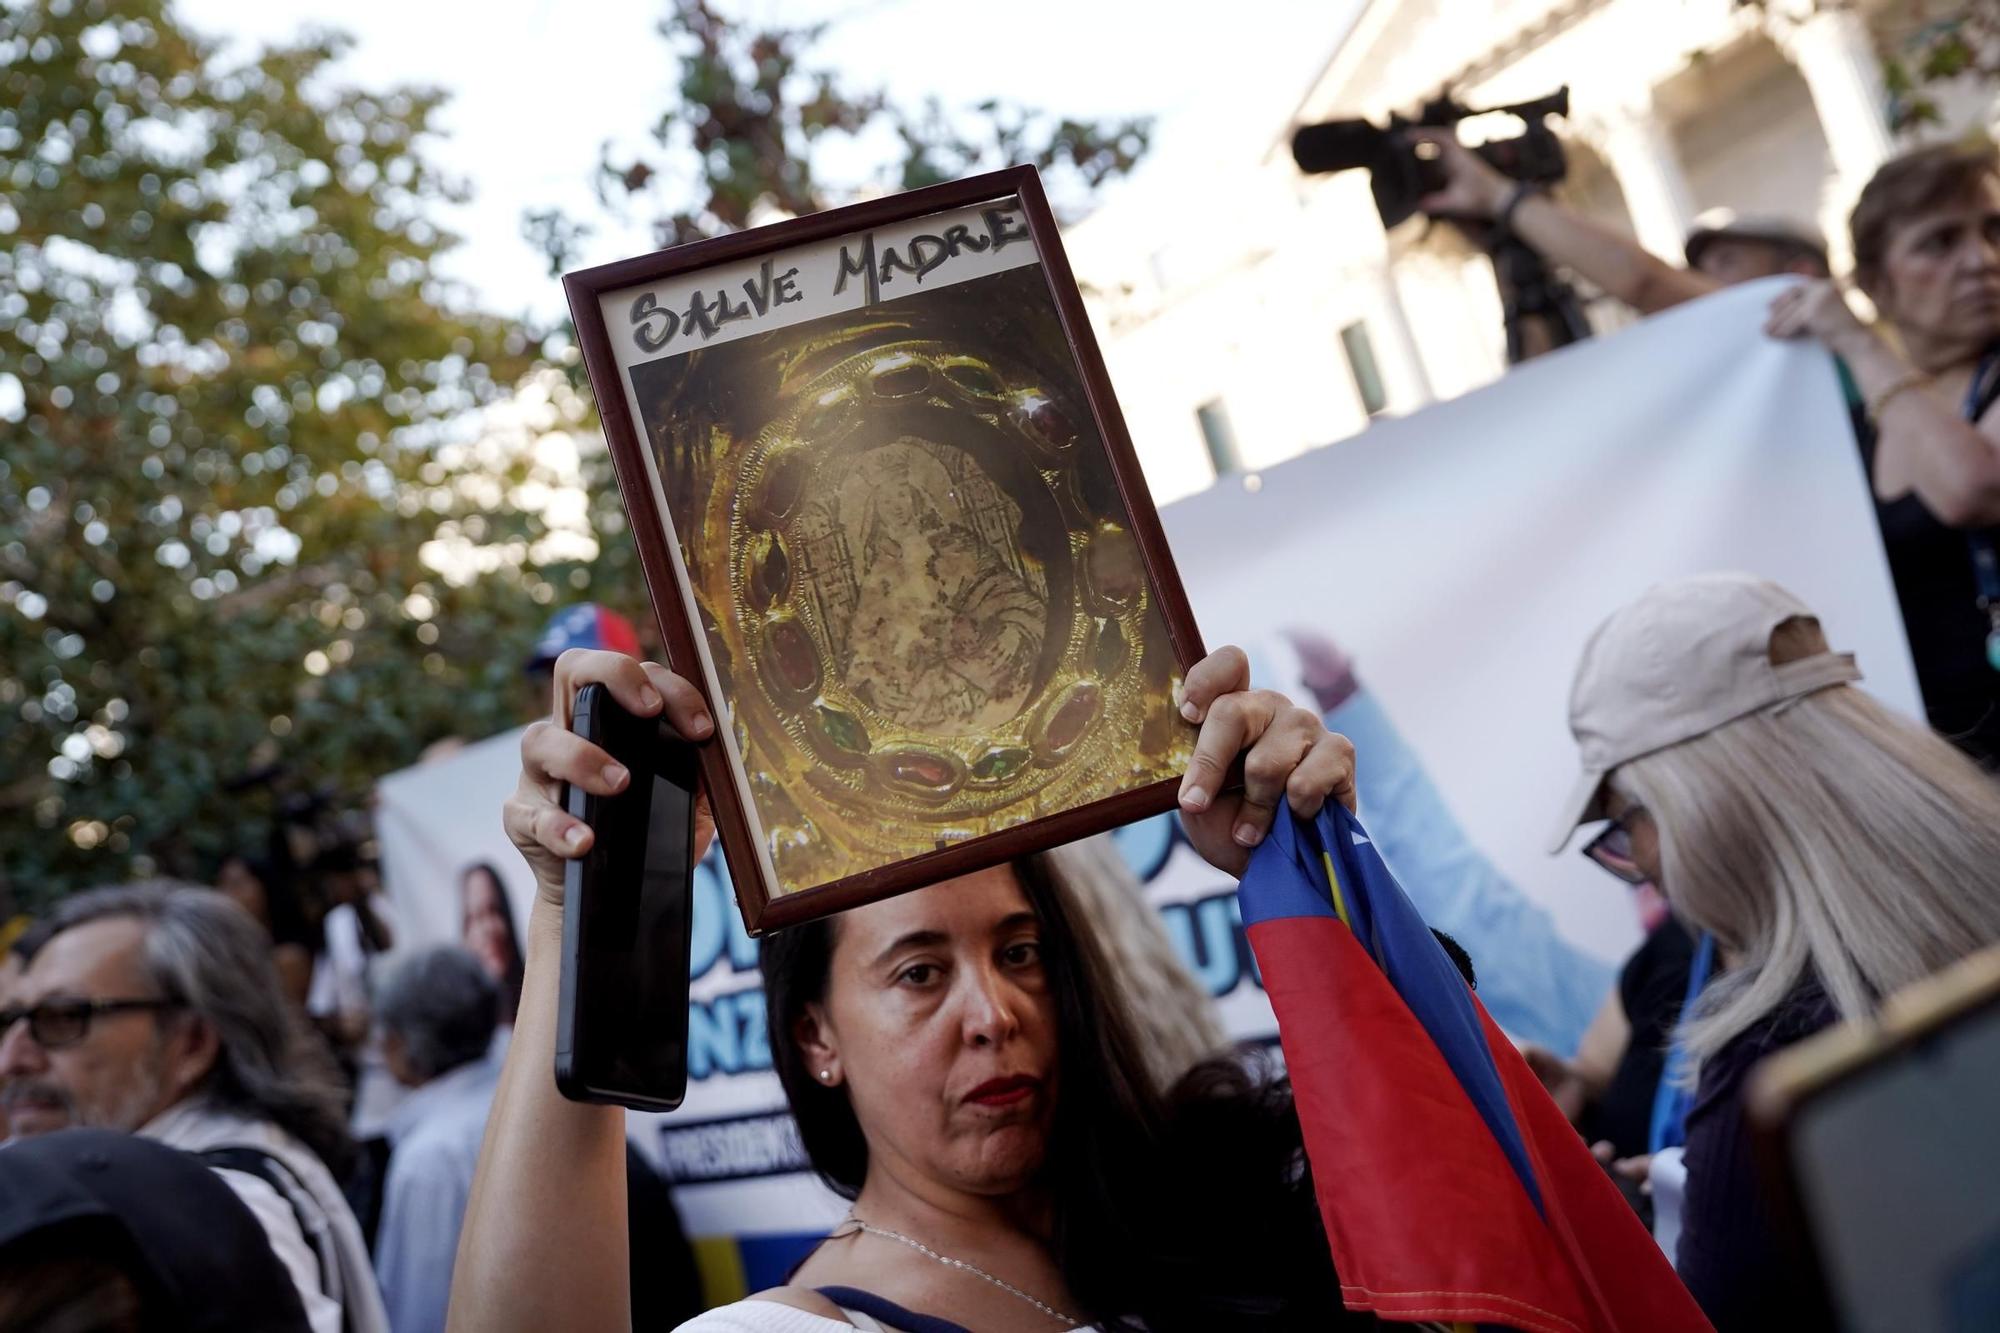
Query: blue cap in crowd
point(585, 625)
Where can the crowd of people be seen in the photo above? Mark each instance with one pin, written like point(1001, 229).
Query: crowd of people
point(1031, 1113)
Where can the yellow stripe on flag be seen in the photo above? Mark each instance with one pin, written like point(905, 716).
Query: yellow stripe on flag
point(720, 1263)
point(1333, 883)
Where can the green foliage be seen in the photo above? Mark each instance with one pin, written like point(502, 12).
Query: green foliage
point(1925, 44)
point(742, 122)
point(735, 145)
point(1943, 44)
point(232, 388)
point(278, 507)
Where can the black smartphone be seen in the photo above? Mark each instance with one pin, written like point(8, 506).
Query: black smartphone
point(621, 1028)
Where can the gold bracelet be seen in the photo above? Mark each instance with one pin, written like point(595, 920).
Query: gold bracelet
point(1909, 379)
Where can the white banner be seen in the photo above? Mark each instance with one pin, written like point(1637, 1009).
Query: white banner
point(1463, 554)
point(1459, 557)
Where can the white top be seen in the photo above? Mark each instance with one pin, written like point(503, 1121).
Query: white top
point(755, 1316)
point(340, 974)
point(336, 1246)
point(1667, 1173)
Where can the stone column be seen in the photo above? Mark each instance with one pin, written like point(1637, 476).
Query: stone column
point(1640, 153)
point(1835, 56)
point(1415, 375)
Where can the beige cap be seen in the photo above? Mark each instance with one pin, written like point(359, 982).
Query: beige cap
point(1719, 224)
point(1685, 658)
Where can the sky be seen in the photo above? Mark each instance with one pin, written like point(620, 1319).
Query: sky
point(538, 86)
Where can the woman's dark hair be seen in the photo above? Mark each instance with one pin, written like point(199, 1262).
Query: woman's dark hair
point(282, 904)
point(1241, 1243)
point(510, 982)
point(1906, 187)
point(1101, 1168)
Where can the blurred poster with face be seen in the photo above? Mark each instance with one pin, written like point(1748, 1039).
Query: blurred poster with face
point(1428, 586)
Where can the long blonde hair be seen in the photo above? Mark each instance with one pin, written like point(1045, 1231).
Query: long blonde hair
point(1177, 1021)
point(1829, 839)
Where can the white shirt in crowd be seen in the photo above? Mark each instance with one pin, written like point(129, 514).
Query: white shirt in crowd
point(329, 1267)
point(434, 1146)
point(340, 974)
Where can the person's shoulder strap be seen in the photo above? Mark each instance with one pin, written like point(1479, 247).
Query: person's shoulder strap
point(1985, 387)
point(886, 1313)
point(267, 1167)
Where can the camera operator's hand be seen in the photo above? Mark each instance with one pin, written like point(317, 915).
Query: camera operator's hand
point(1815, 309)
point(1473, 189)
point(552, 754)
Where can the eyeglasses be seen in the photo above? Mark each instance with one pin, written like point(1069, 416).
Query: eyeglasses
point(1612, 849)
point(65, 1022)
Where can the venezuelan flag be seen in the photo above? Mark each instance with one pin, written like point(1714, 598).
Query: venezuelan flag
point(1452, 1188)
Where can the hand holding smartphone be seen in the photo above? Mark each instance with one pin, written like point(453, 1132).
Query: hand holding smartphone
point(621, 1033)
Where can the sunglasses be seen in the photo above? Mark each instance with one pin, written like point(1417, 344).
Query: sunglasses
point(65, 1022)
point(1612, 849)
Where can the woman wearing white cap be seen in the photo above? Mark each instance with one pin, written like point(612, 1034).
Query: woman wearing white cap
point(1835, 850)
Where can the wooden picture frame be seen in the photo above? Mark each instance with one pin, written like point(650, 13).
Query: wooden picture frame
point(916, 572)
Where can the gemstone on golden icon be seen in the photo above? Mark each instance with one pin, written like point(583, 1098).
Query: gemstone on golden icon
point(927, 771)
point(999, 764)
point(1113, 567)
point(973, 379)
point(842, 728)
point(1109, 653)
point(790, 652)
point(1070, 720)
point(898, 376)
point(771, 572)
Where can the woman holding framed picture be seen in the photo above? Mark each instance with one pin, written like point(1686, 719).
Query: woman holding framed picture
point(961, 1067)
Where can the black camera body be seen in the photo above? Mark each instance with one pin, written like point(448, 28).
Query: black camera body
point(1400, 173)
point(1539, 309)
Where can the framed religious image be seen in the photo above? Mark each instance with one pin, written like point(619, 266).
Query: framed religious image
point(894, 530)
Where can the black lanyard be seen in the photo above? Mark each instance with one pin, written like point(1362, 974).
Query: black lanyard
point(1979, 395)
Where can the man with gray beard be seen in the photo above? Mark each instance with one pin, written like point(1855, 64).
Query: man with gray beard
point(155, 1010)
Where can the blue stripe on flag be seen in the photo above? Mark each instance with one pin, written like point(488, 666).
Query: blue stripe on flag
point(1283, 878)
point(1427, 979)
point(1287, 877)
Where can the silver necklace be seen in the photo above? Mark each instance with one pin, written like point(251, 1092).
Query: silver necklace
point(973, 1269)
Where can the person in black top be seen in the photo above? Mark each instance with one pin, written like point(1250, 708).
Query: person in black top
point(1835, 850)
point(1926, 235)
point(1651, 986)
point(110, 1232)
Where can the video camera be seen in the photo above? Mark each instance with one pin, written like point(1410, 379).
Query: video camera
point(1541, 312)
point(1402, 170)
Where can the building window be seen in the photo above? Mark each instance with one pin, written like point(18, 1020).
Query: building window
point(1222, 453)
point(1361, 364)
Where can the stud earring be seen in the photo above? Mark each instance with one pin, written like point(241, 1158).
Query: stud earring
point(826, 1076)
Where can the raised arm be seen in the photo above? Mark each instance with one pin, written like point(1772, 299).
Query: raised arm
point(1615, 262)
point(544, 1241)
point(1924, 444)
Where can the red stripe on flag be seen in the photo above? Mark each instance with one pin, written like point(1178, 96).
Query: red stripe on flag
point(1426, 1218)
point(1632, 1284)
